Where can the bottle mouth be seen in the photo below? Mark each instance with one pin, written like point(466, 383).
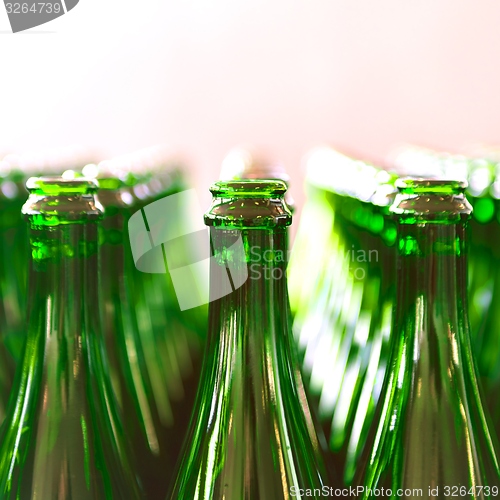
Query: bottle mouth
point(54, 186)
point(431, 200)
point(430, 186)
point(248, 204)
point(54, 201)
point(261, 188)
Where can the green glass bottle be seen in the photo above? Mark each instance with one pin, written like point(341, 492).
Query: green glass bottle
point(242, 163)
point(13, 262)
point(128, 361)
point(481, 173)
point(62, 437)
point(431, 436)
point(249, 437)
point(147, 358)
point(171, 339)
point(344, 296)
point(15, 169)
point(10, 304)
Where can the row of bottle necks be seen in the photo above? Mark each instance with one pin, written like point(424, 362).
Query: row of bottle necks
point(342, 289)
point(152, 348)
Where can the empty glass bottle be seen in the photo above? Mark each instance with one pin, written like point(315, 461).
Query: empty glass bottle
point(13, 249)
point(147, 345)
point(14, 171)
point(483, 284)
point(343, 282)
point(249, 436)
point(431, 437)
point(62, 437)
point(10, 301)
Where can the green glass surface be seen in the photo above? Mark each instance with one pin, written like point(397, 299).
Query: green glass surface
point(347, 354)
point(13, 272)
point(484, 255)
point(10, 310)
point(150, 350)
point(14, 246)
point(342, 274)
point(311, 246)
point(62, 437)
point(172, 339)
point(431, 436)
point(484, 296)
point(250, 433)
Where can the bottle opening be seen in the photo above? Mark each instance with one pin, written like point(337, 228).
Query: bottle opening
point(53, 186)
point(56, 200)
point(248, 204)
point(431, 186)
point(249, 189)
point(431, 200)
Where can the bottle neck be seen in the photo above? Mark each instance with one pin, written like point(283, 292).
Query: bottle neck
point(247, 275)
point(432, 275)
point(62, 299)
point(249, 380)
point(63, 261)
point(62, 309)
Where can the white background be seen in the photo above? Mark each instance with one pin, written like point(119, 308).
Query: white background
point(282, 74)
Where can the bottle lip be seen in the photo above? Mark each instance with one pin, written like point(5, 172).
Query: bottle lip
point(52, 186)
point(249, 188)
point(430, 200)
point(54, 201)
point(414, 185)
point(248, 204)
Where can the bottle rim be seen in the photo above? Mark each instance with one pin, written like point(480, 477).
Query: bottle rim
point(248, 204)
point(54, 201)
point(51, 186)
point(430, 200)
point(413, 185)
point(249, 188)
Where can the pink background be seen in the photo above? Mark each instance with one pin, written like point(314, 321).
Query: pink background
point(284, 75)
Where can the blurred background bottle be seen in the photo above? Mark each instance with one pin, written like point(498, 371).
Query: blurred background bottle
point(154, 347)
point(342, 288)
